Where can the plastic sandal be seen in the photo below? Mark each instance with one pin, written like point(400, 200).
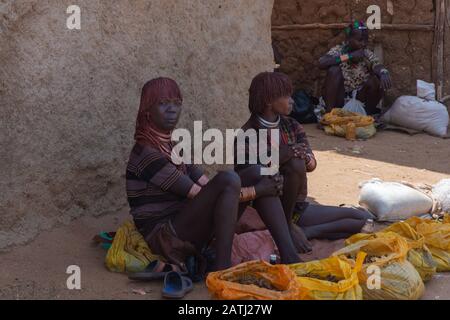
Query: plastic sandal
point(176, 286)
point(155, 270)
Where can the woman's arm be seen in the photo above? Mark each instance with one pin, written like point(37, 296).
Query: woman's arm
point(383, 74)
point(311, 162)
point(156, 169)
point(257, 185)
point(303, 148)
point(327, 61)
point(197, 175)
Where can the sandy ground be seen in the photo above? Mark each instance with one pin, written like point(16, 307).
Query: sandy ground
point(38, 270)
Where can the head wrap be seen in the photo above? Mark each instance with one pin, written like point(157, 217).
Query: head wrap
point(355, 25)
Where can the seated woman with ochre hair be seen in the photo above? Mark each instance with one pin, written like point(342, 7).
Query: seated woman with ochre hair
point(290, 219)
point(177, 208)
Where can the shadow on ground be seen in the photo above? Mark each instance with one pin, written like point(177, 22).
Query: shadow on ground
point(388, 146)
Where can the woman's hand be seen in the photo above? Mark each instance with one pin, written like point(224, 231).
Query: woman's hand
point(358, 55)
point(269, 186)
point(300, 150)
point(385, 81)
point(286, 153)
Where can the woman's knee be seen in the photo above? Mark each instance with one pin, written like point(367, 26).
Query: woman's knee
point(228, 179)
point(334, 73)
point(373, 85)
point(296, 167)
point(250, 176)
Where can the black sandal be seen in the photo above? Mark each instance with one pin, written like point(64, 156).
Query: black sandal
point(156, 270)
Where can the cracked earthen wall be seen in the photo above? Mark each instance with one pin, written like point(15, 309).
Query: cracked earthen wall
point(407, 54)
point(68, 99)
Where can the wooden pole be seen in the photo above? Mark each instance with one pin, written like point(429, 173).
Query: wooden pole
point(438, 48)
point(330, 26)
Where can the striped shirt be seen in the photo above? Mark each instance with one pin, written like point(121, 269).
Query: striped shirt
point(149, 178)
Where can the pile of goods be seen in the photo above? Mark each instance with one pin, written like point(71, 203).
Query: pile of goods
point(351, 125)
point(391, 264)
point(256, 280)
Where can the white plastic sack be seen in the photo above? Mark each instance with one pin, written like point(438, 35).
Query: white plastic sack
point(441, 192)
point(419, 114)
point(426, 90)
point(393, 201)
point(354, 105)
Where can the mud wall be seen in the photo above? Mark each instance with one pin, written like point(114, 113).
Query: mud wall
point(69, 98)
point(407, 54)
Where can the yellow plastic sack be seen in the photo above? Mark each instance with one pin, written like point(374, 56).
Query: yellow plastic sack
point(129, 251)
point(315, 282)
point(348, 124)
point(419, 255)
point(446, 218)
point(437, 239)
point(399, 279)
point(255, 280)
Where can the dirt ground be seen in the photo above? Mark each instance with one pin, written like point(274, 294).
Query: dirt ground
point(38, 270)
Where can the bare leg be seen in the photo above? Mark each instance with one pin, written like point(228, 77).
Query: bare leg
point(212, 212)
point(371, 94)
point(334, 91)
point(271, 211)
point(326, 222)
point(344, 228)
point(295, 181)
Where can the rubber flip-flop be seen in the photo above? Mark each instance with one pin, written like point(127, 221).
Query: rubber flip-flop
point(156, 270)
point(176, 286)
point(104, 239)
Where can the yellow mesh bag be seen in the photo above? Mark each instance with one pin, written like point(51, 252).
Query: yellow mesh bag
point(419, 255)
point(255, 280)
point(399, 280)
point(329, 279)
point(348, 124)
point(437, 239)
point(129, 251)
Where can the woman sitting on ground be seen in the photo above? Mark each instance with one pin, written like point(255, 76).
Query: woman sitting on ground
point(352, 67)
point(175, 207)
point(290, 219)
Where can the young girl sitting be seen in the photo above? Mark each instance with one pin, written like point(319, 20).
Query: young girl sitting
point(290, 219)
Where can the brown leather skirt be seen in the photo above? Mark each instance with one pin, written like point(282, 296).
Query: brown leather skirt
point(163, 240)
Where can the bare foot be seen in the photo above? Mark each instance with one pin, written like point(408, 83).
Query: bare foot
point(300, 241)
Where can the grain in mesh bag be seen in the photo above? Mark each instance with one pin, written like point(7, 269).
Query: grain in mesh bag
point(254, 280)
point(348, 124)
point(398, 279)
point(418, 254)
point(329, 279)
point(437, 239)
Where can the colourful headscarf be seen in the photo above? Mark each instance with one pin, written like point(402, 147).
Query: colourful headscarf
point(356, 25)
